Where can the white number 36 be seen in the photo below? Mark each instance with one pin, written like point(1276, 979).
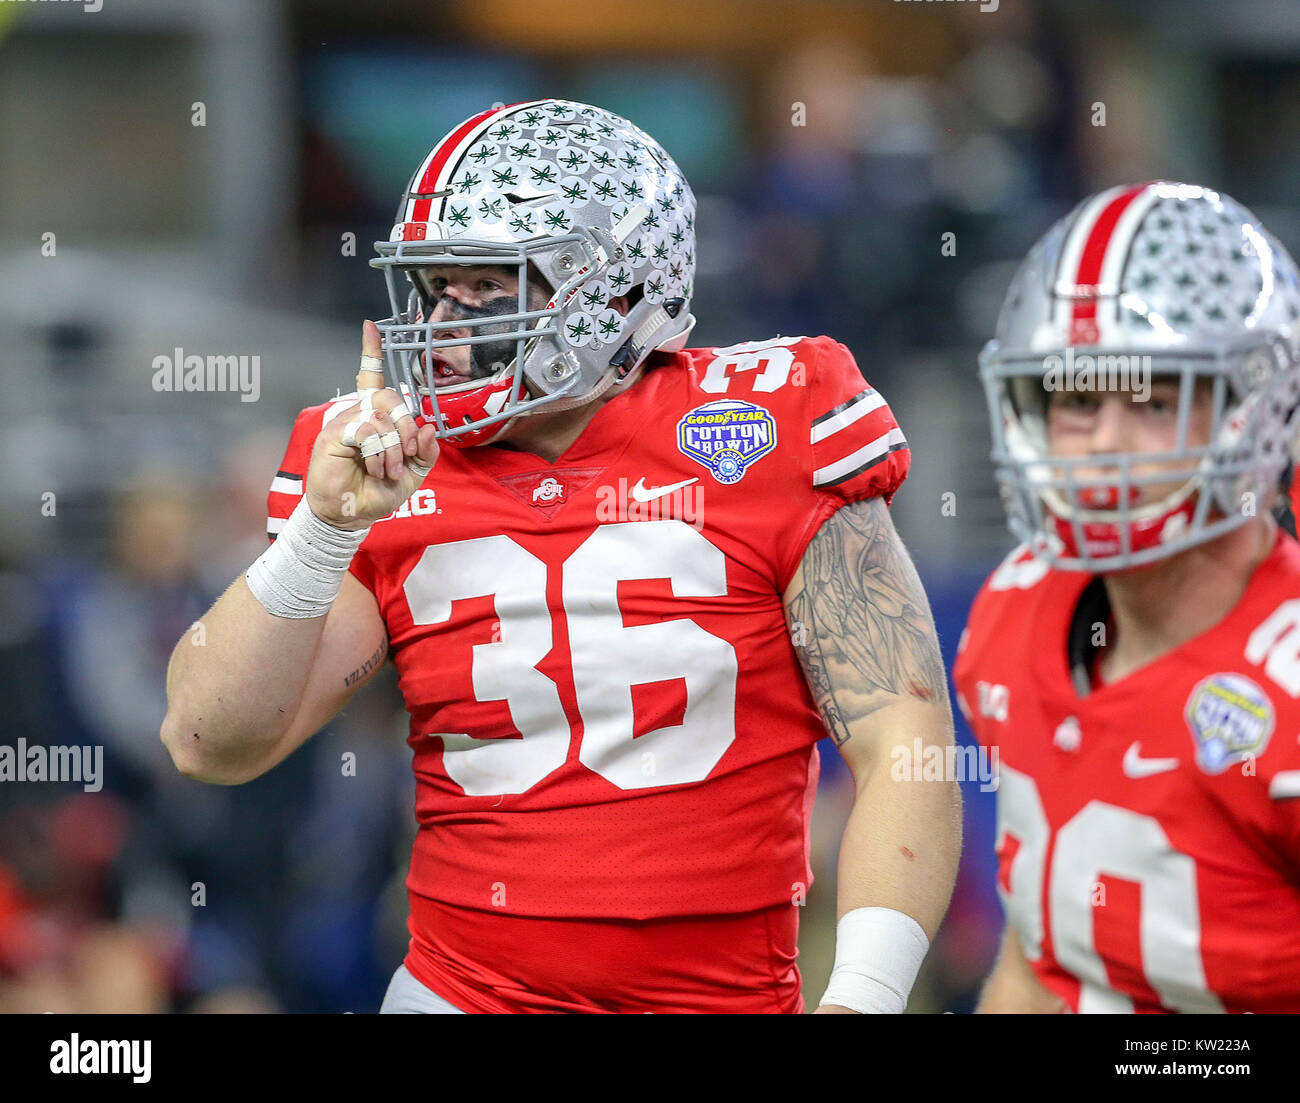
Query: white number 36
point(608, 656)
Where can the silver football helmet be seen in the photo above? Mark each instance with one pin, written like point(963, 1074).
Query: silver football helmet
point(582, 197)
point(1156, 280)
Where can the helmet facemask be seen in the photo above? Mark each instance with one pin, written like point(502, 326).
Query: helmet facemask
point(589, 200)
point(1156, 280)
point(503, 339)
point(1087, 512)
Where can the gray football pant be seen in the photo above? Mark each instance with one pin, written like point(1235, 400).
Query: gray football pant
point(407, 996)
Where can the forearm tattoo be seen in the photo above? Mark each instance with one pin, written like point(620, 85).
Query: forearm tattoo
point(860, 620)
point(370, 664)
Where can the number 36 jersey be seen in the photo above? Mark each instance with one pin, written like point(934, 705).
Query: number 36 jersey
point(608, 716)
point(1148, 828)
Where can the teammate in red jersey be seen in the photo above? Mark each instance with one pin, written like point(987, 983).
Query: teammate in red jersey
point(641, 582)
point(1136, 663)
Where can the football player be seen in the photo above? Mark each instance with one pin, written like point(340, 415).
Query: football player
point(1136, 662)
point(639, 586)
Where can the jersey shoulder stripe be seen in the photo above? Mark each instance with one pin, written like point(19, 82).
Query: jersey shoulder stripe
point(858, 448)
point(845, 414)
point(289, 483)
point(864, 459)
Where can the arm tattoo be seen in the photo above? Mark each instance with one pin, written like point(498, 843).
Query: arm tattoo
point(370, 664)
point(860, 620)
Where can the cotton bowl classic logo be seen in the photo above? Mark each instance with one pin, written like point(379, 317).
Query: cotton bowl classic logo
point(1231, 719)
point(727, 436)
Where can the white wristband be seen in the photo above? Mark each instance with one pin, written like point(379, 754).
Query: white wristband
point(878, 952)
point(300, 575)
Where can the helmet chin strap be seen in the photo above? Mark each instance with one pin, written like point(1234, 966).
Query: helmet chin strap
point(1057, 504)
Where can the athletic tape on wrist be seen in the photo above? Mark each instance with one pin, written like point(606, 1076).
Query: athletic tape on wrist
point(878, 952)
point(300, 575)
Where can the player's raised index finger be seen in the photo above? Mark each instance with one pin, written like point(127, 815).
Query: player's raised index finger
point(371, 373)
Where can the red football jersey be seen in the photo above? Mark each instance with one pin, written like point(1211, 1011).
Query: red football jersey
point(1149, 828)
point(608, 715)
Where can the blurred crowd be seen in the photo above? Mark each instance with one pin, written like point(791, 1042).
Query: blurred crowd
point(157, 892)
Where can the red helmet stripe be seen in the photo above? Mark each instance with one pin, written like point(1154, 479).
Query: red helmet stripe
point(1083, 323)
point(449, 145)
point(428, 182)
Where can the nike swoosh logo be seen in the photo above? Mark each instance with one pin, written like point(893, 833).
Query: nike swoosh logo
point(642, 493)
point(1135, 766)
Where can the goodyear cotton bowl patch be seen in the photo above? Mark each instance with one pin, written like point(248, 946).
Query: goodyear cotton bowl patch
point(1231, 719)
point(727, 436)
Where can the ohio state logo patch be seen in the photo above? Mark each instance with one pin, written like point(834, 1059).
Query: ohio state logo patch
point(549, 491)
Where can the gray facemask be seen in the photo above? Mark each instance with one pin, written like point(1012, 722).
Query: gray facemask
point(488, 357)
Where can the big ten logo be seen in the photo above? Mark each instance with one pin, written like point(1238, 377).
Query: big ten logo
point(772, 360)
point(419, 504)
point(994, 700)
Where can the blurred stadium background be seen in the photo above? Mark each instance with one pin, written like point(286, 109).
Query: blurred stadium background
point(920, 119)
